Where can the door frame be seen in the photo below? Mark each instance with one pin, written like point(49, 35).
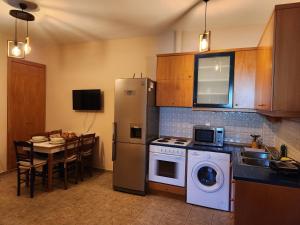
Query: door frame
point(10, 61)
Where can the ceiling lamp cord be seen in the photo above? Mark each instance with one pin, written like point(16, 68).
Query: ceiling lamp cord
point(16, 32)
point(205, 16)
point(204, 42)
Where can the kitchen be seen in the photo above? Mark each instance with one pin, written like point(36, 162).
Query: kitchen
point(175, 97)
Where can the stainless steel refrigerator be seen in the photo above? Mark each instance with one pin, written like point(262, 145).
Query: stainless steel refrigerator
point(135, 126)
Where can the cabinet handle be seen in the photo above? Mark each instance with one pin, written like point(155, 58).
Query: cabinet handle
point(261, 105)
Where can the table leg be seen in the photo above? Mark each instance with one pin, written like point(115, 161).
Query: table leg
point(50, 171)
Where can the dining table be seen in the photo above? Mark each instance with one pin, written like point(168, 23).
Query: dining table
point(48, 149)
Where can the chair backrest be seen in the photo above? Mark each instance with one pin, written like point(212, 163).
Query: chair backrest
point(71, 147)
point(55, 133)
point(87, 143)
point(24, 151)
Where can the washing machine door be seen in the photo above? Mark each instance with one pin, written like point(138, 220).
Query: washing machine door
point(208, 176)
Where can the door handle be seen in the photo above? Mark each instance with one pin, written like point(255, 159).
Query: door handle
point(114, 132)
point(114, 152)
point(114, 139)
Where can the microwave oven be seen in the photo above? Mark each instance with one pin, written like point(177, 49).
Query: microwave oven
point(207, 135)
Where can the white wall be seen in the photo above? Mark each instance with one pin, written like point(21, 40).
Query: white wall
point(221, 38)
point(96, 65)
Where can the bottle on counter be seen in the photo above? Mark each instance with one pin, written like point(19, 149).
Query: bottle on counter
point(283, 151)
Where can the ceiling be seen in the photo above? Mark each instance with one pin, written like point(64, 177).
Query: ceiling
point(70, 21)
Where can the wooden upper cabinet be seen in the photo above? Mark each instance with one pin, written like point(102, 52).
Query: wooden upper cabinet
point(264, 69)
point(278, 57)
point(287, 59)
point(244, 79)
point(175, 80)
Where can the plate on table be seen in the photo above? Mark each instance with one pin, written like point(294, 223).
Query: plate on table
point(57, 142)
point(38, 139)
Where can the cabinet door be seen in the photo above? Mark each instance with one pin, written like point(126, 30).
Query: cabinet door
point(244, 79)
point(264, 69)
point(182, 67)
point(264, 204)
point(175, 80)
point(213, 83)
point(287, 58)
point(163, 70)
point(174, 93)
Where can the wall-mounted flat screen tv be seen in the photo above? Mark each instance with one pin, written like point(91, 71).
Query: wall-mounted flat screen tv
point(87, 99)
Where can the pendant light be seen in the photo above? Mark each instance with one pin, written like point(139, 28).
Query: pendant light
point(16, 48)
point(204, 40)
point(27, 47)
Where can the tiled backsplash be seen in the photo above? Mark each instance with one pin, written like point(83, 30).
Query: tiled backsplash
point(238, 126)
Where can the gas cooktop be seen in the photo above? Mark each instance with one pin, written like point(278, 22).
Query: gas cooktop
point(173, 141)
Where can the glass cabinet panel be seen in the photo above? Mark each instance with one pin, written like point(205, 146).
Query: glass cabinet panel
point(213, 84)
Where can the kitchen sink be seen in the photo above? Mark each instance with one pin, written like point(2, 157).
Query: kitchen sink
point(251, 158)
point(255, 155)
point(256, 162)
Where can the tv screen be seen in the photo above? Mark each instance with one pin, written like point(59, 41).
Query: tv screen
point(87, 99)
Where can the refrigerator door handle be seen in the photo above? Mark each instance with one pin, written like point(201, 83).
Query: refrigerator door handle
point(114, 139)
point(114, 153)
point(114, 134)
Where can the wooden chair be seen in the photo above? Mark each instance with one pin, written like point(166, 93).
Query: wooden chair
point(27, 165)
point(69, 159)
point(87, 146)
point(55, 133)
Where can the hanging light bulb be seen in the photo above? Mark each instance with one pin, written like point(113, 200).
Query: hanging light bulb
point(16, 51)
point(27, 47)
point(19, 49)
point(204, 42)
point(14, 48)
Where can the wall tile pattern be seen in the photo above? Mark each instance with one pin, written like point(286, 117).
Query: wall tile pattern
point(238, 126)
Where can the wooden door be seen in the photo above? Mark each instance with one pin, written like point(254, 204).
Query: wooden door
point(244, 79)
point(26, 103)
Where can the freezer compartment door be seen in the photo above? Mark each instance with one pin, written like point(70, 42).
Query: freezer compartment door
point(130, 110)
point(129, 169)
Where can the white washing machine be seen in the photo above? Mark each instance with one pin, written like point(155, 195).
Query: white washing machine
point(208, 179)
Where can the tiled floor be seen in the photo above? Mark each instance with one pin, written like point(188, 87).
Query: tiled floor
point(93, 202)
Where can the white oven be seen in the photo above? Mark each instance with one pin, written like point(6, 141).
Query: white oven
point(167, 165)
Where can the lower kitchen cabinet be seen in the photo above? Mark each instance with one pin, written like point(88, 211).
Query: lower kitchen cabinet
point(263, 204)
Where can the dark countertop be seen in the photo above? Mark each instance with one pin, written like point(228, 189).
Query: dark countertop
point(251, 173)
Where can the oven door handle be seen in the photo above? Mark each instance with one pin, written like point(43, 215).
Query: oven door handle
point(167, 155)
